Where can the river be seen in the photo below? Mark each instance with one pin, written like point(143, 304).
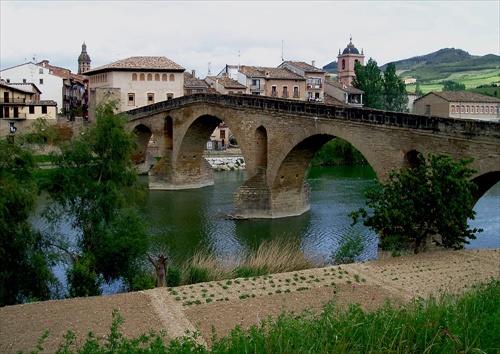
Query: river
point(184, 221)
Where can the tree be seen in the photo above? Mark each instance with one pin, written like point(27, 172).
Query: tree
point(395, 95)
point(24, 264)
point(418, 90)
point(450, 85)
point(369, 79)
point(429, 202)
point(88, 188)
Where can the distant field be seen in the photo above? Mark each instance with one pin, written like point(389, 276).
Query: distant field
point(471, 79)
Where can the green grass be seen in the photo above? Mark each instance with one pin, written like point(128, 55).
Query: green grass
point(452, 323)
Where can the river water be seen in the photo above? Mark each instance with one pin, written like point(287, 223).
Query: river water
point(184, 221)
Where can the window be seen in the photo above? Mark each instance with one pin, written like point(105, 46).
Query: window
point(151, 98)
point(491, 110)
point(285, 91)
point(223, 133)
point(427, 109)
point(256, 83)
point(40, 71)
point(24, 81)
point(150, 77)
point(142, 77)
point(16, 112)
point(131, 99)
point(41, 81)
point(481, 109)
point(44, 109)
point(189, 92)
point(467, 109)
point(32, 109)
point(172, 77)
point(273, 91)
point(296, 92)
point(462, 109)
point(170, 96)
point(230, 92)
point(164, 77)
point(452, 109)
point(134, 77)
point(343, 64)
point(157, 77)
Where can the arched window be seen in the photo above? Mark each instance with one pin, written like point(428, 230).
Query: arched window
point(150, 77)
point(134, 77)
point(343, 64)
point(491, 110)
point(462, 109)
point(164, 77)
point(467, 109)
point(477, 109)
point(452, 109)
point(157, 77)
point(142, 77)
point(172, 77)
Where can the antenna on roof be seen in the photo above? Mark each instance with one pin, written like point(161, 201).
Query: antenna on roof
point(209, 73)
point(282, 50)
point(238, 60)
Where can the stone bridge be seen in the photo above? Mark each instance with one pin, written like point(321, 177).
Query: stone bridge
point(278, 138)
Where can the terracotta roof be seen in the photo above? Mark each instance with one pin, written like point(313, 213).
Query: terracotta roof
point(306, 67)
point(139, 63)
point(189, 80)
point(341, 86)
point(463, 96)
point(270, 73)
point(333, 101)
point(228, 82)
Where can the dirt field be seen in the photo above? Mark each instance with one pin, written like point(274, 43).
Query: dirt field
point(245, 302)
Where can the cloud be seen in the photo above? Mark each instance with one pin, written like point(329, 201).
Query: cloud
point(195, 33)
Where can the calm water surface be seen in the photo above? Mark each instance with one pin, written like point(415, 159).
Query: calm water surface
point(184, 221)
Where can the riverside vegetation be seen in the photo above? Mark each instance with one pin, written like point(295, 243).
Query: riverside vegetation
point(450, 323)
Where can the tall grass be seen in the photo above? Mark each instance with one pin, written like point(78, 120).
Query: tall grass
point(451, 323)
point(276, 256)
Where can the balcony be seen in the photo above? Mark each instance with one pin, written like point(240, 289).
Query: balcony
point(19, 116)
point(12, 100)
point(285, 95)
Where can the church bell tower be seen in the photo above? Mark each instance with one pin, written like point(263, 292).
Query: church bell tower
point(346, 61)
point(83, 60)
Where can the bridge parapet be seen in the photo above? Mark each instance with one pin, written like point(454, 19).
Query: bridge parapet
point(467, 127)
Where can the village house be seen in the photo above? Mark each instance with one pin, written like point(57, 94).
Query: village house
point(194, 85)
point(20, 105)
point(458, 105)
point(315, 78)
point(348, 95)
point(225, 85)
point(136, 82)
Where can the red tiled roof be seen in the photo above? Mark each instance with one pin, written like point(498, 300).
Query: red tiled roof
point(463, 96)
point(139, 63)
point(270, 73)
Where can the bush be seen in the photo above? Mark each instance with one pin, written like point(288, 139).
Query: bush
point(351, 245)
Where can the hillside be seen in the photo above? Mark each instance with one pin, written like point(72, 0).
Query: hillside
point(446, 64)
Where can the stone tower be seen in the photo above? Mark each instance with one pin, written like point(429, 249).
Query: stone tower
point(346, 61)
point(83, 60)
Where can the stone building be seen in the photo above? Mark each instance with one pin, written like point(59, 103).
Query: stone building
point(225, 85)
point(136, 82)
point(83, 60)
point(458, 105)
point(194, 85)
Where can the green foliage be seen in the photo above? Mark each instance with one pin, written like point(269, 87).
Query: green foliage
point(465, 323)
point(82, 278)
point(24, 265)
point(449, 85)
point(197, 274)
point(89, 188)
point(433, 200)
point(350, 247)
point(174, 276)
point(41, 132)
point(395, 96)
point(418, 90)
point(369, 79)
point(337, 152)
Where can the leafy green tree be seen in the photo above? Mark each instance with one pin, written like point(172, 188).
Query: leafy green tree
point(429, 202)
point(24, 265)
point(450, 85)
point(418, 90)
point(369, 79)
point(89, 189)
point(395, 95)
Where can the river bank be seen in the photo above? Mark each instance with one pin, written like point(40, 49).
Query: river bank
point(246, 301)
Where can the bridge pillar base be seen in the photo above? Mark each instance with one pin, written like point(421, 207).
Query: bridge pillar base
point(163, 176)
point(259, 202)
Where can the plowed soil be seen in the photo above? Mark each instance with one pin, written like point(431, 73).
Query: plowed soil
point(245, 301)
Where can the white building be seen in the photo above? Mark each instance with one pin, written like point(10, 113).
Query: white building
point(136, 81)
point(44, 78)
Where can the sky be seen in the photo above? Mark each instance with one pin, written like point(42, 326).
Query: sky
point(206, 35)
